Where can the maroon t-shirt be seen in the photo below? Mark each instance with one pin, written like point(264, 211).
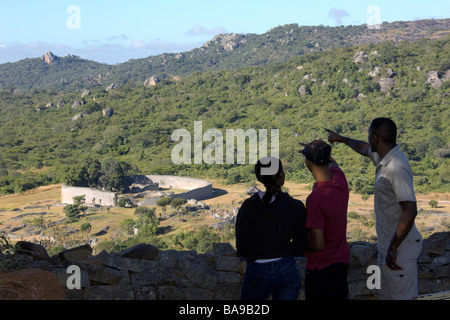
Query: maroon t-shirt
point(326, 209)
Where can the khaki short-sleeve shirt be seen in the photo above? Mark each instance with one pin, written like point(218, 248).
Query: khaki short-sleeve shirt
point(393, 184)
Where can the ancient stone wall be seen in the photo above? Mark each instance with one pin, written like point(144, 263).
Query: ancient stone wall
point(92, 196)
point(198, 189)
point(143, 272)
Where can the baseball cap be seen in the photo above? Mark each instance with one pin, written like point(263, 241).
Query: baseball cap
point(318, 152)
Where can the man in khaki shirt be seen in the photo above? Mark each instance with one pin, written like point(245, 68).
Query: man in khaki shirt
point(399, 243)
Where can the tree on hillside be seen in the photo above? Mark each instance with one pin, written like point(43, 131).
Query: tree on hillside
point(83, 174)
point(112, 177)
point(147, 223)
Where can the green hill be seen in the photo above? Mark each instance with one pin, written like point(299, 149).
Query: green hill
point(41, 144)
point(223, 52)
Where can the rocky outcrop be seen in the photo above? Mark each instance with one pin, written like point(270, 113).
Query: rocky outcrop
point(152, 81)
point(433, 79)
point(145, 273)
point(227, 42)
point(112, 86)
point(60, 103)
point(80, 115)
point(386, 84)
point(109, 112)
point(304, 91)
point(360, 57)
point(49, 57)
point(85, 93)
point(76, 104)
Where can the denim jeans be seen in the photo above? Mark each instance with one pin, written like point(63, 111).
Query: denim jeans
point(280, 278)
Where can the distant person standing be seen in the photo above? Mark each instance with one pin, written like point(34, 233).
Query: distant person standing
point(270, 232)
point(399, 242)
point(327, 250)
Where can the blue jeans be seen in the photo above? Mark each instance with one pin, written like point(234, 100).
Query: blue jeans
point(280, 278)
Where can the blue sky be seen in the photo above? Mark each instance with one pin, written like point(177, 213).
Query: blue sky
point(115, 31)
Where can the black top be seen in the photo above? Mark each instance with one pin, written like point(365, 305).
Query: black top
point(273, 231)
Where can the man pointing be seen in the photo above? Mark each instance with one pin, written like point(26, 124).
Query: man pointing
point(399, 242)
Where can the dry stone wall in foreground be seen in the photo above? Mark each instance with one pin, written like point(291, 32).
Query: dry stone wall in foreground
point(145, 273)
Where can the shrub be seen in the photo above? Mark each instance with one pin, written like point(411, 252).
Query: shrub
point(433, 203)
point(72, 211)
point(177, 202)
point(164, 201)
point(86, 227)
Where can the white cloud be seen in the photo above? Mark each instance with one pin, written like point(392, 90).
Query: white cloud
point(200, 30)
point(138, 44)
point(337, 15)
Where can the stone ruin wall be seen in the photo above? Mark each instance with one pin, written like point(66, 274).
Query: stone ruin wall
point(146, 273)
point(198, 189)
point(92, 196)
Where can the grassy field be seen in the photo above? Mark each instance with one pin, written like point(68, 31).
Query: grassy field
point(226, 197)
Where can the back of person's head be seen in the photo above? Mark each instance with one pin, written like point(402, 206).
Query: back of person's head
point(318, 152)
point(385, 129)
point(268, 180)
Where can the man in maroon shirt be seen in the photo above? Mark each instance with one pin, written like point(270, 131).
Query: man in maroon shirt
point(327, 250)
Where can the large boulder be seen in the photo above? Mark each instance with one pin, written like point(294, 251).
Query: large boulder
point(386, 84)
point(109, 112)
point(60, 103)
point(77, 253)
point(31, 284)
point(362, 252)
point(76, 104)
point(361, 57)
point(433, 79)
point(152, 81)
point(34, 250)
point(141, 251)
point(304, 91)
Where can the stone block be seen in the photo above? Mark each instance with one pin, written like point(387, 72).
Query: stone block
point(34, 250)
point(362, 252)
point(155, 277)
point(199, 273)
point(193, 293)
point(170, 293)
point(134, 265)
point(224, 249)
point(228, 277)
point(106, 275)
point(141, 251)
point(228, 291)
point(62, 275)
point(113, 292)
point(224, 263)
point(77, 253)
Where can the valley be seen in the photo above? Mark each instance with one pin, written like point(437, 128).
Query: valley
point(20, 214)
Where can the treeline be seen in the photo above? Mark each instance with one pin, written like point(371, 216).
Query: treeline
point(46, 145)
